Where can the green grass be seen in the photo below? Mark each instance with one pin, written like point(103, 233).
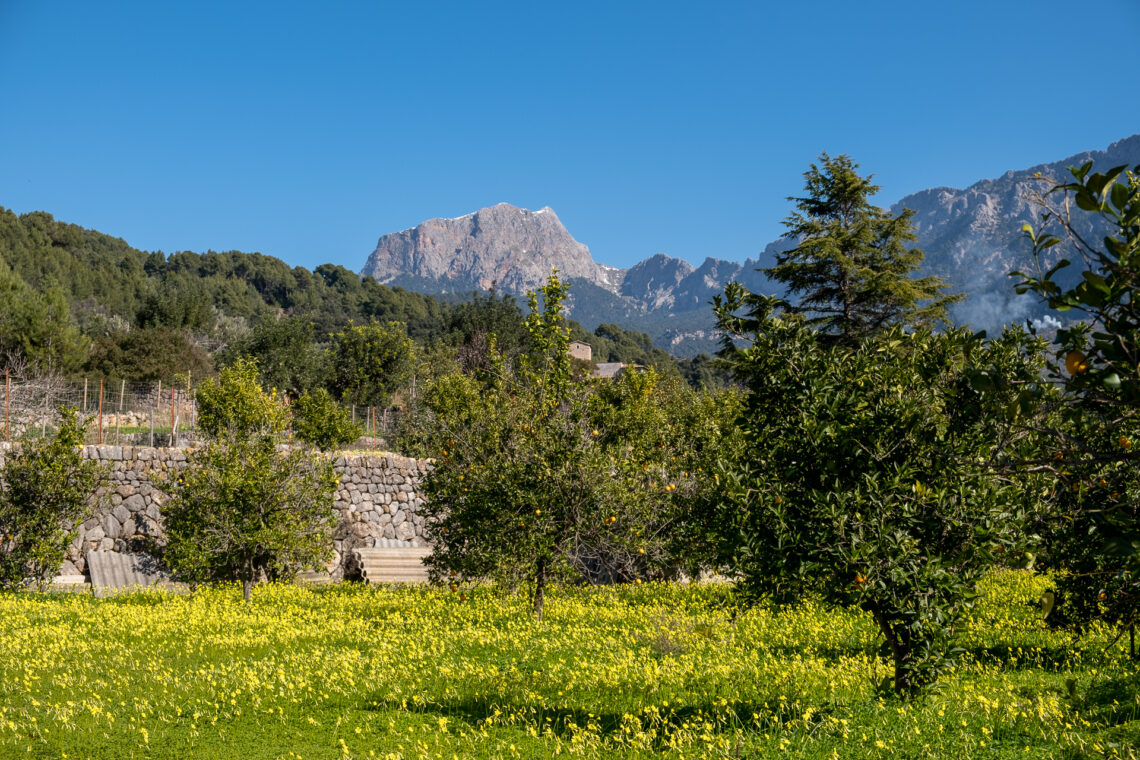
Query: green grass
point(636, 671)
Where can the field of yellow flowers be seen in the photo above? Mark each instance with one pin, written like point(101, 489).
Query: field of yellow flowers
point(637, 671)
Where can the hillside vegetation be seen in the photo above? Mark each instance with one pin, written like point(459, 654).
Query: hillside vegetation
point(81, 302)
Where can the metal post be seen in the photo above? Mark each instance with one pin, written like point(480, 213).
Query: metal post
point(171, 418)
point(119, 419)
point(85, 395)
point(100, 411)
point(7, 394)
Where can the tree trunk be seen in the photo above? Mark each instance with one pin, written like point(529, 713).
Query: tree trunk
point(539, 587)
point(902, 652)
point(249, 574)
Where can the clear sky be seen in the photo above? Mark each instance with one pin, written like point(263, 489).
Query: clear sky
point(306, 130)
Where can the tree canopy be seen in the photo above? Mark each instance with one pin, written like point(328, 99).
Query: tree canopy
point(851, 270)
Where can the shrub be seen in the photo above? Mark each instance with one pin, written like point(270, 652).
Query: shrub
point(318, 420)
point(47, 490)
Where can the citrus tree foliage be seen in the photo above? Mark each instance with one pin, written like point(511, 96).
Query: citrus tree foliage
point(867, 476)
point(319, 420)
point(852, 266)
point(242, 509)
point(368, 363)
point(1097, 365)
point(47, 492)
point(539, 476)
point(234, 405)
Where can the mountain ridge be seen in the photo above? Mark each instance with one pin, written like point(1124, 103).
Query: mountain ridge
point(971, 237)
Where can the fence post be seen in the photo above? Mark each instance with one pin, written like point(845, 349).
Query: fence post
point(7, 394)
point(152, 426)
point(100, 411)
point(119, 419)
point(85, 395)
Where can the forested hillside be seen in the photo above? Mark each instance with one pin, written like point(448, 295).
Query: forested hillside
point(77, 301)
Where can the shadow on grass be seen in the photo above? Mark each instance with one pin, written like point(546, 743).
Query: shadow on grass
point(834, 654)
point(1112, 702)
point(1041, 658)
point(562, 721)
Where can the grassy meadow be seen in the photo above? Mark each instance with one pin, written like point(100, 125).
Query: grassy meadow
point(633, 671)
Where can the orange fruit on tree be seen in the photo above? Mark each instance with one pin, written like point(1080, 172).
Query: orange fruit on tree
point(1076, 362)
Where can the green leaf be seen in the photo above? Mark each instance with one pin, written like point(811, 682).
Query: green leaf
point(1119, 194)
point(1085, 200)
point(1096, 281)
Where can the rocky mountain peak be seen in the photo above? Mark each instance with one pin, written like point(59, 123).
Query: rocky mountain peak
point(507, 246)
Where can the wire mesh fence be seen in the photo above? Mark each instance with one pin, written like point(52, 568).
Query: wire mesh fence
point(135, 414)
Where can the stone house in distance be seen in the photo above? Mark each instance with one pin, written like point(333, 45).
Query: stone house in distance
point(580, 350)
point(604, 370)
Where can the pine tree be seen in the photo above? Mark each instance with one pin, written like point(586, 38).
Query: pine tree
point(851, 268)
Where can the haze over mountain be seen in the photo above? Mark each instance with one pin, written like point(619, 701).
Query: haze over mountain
point(971, 237)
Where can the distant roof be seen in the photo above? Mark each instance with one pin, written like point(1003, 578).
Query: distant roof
point(608, 369)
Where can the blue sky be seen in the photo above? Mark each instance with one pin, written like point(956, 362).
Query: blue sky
point(307, 130)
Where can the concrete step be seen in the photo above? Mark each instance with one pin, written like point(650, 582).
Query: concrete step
point(393, 564)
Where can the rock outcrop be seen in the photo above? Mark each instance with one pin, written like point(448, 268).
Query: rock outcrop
point(511, 248)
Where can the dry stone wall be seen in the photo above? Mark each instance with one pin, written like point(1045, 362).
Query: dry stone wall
point(378, 501)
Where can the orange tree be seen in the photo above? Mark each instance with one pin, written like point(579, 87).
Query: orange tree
point(368, 363)
point(46, 491)
point(1095, 535)
point(866, 477)
point(243, 510)
point(539, 476)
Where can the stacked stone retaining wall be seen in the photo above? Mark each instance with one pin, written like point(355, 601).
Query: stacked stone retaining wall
point(378, 500)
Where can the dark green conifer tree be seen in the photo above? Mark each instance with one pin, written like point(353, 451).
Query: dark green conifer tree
point(851, 270)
